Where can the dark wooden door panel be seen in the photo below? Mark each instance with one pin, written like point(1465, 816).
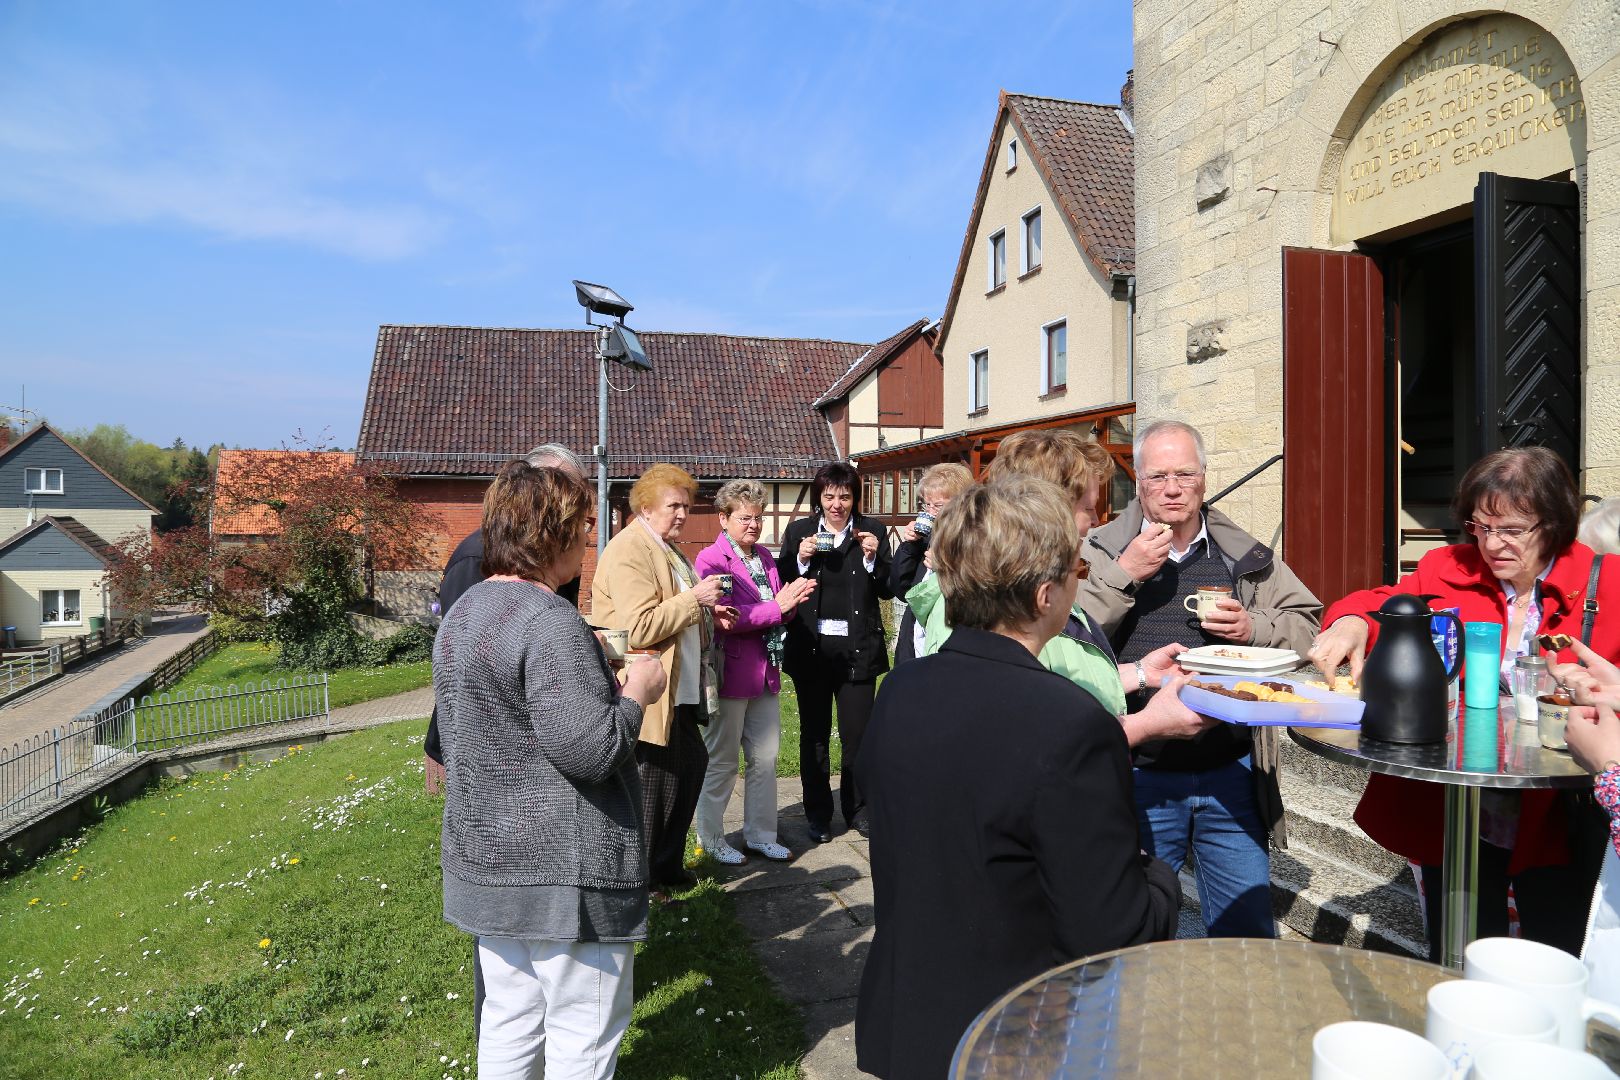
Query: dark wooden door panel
point(1527, 282)
point(1334, 437)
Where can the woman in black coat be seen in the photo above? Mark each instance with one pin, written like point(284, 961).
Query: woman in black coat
point(835, 644)
point(1004, 838)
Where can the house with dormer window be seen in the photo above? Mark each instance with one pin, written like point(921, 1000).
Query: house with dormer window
point(60, 515)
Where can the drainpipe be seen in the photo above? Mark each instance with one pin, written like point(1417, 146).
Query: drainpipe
point(1130, 338)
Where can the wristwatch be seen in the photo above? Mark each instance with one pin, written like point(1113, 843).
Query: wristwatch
point(1141, 677)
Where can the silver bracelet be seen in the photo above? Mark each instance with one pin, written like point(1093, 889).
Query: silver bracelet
point(1141, 677)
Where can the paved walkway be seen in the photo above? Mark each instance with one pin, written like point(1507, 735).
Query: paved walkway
point(411, 705)
point(60, 700)
point(810, 921)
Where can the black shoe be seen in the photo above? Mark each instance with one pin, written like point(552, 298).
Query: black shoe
point(820, 834)
point(678, 883)
point(864, 827)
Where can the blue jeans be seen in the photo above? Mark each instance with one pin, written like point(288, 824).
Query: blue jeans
point(1215, 813)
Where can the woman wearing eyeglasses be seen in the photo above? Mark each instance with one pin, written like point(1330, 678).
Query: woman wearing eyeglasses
point(1521, 566)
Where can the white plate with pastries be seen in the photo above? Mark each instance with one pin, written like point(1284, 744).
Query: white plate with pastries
point(1239, 660)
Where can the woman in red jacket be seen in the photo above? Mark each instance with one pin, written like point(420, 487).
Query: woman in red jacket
point(1522, 567)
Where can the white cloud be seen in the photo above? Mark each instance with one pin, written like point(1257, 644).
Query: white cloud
point(86, 143)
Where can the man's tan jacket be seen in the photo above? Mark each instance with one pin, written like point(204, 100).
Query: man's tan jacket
point(1285, 613)
point(634, 589)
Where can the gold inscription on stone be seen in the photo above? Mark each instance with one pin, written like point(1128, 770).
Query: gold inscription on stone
point(1491, 94)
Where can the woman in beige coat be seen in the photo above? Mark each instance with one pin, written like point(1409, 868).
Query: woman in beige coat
point(645, 585)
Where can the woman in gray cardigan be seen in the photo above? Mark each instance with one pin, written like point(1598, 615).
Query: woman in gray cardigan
point(542, 841)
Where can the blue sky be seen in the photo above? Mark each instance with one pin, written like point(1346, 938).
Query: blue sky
point(207, 209)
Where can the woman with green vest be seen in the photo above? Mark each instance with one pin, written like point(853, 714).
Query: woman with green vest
point(1081, 652)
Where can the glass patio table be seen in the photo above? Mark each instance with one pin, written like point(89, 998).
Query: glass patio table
point(1484, 748)
point(1211, 1008)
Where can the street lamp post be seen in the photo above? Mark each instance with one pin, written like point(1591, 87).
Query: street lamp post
point(617, 342)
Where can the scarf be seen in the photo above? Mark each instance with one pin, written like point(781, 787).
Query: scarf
point(776, 636)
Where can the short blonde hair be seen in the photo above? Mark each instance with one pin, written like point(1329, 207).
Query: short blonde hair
point(997, 543)
point(655, 481)
point(949, 479)
point(1060, 455)
point(736, 493)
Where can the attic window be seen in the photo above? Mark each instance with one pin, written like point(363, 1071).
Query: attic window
point(1012, 154)
point(42, 481)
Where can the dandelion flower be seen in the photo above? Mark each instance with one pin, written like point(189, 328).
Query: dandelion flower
point(172, 839)
point(293, 861)
point(264, 943)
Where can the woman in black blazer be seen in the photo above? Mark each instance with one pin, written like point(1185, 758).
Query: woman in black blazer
point(835, 643)
point(1004, 836)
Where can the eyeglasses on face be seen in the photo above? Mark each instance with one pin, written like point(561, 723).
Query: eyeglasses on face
point(1183, 477)
point(1511, 533)
point(933, 506)
point(590, 523)
point(747, 519)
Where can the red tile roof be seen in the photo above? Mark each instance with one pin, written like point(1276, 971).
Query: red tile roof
point(1085, 153)
point(874, 358)
point(256, 519)
point(459, 401)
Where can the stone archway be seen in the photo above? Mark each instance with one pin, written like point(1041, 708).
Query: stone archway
point(1310, 164)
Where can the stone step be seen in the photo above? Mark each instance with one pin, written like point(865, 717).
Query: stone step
point(1321, 815)
point(1317, 898)
point(1326, 900)
point(1301, 766)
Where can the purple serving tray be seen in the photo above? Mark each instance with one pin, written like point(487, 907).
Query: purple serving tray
point(1326, 709)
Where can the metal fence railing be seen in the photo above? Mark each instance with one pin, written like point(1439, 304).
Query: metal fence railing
point(53, 764)
point(62, 761)
point(171, 720)
point(18, 673)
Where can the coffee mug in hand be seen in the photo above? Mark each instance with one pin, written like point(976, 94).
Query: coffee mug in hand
point(1206, 601)
point(924, 525)
point(725, 584)
point(614, 644)
point(824, 541)
point(1358, 1050)
point(1553, 977)
point(1535, 1061)
point(1466, 1016)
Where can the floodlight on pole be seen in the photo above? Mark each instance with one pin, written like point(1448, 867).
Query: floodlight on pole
point(617, 342)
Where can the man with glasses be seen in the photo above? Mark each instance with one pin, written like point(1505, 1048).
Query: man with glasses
point(1202, 793)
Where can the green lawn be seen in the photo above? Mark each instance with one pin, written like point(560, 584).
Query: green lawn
point(283, 920)
point(251, 662)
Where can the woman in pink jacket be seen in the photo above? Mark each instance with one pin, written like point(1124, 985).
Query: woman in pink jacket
point(749, 717)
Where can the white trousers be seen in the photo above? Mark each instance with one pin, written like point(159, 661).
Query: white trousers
point(755, 726)
point(565, 1001)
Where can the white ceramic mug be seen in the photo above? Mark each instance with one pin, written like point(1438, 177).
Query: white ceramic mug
point(1205, 601)
point(1553, 977)
point(1535, 1061)
point(1465, 1017)
point(614, 643)
point(1358, 1050)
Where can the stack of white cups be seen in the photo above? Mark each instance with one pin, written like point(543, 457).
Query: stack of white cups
point(1520, 1013)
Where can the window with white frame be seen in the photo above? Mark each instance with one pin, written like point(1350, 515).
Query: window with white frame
point(998, 259)
point(979, 381)
point(1012, 154)
point(60, 607)
point(42, 481)
point(1055, 361)
point(1031, 257)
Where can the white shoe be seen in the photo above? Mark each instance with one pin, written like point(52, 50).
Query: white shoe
point(726, 855)
point(775, 852)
